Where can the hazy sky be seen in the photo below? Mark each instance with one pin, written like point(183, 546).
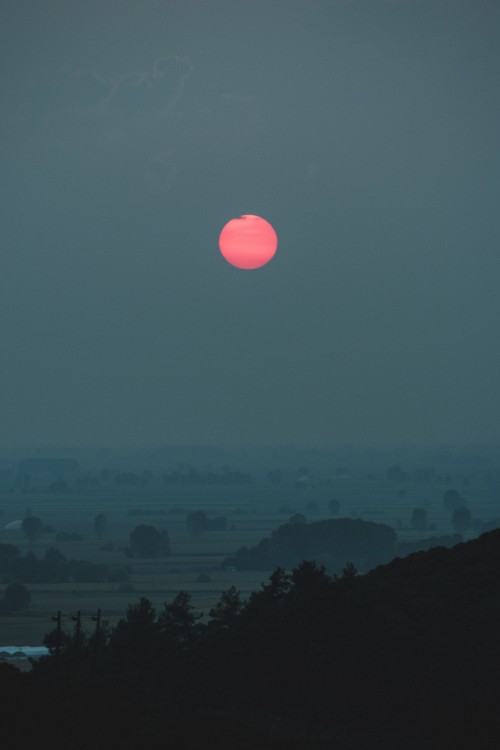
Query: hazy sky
point(365, 131)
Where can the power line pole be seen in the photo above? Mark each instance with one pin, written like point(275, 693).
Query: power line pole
point(77, 621)
point(97, 620)
point(57, 620)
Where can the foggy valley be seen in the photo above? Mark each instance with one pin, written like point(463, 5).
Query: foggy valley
point(205, 534)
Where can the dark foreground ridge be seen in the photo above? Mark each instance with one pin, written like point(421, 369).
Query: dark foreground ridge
point(406, 656)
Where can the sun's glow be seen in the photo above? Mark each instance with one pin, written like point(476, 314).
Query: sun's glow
point(248, 242)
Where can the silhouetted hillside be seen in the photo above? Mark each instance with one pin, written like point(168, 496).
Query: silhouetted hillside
point(406, 656)
point(403, 549)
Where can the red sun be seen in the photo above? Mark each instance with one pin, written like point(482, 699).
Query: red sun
point(248, 242)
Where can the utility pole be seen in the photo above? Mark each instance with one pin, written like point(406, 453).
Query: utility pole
point(97, 620)
point(76, 643)
point(77, 621)
point(57, 620)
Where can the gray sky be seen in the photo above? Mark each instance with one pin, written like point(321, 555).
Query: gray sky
point(366, 132)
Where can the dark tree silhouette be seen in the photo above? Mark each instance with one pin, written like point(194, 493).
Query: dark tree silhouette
point(227, 608)
point(217, 524)
point(178, 621)
point(197, 522)
point(148, 542)
point(349, 571)
point(15, 597)
point(452, 499)
point(419, 519)
point(133, 641)
point(365, 542)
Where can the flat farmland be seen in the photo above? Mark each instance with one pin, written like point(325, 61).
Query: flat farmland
point(251, 512)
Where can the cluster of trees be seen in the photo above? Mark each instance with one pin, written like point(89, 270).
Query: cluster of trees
point(334, 540)
point(452, 499)
point(54, 567)
point(15, 597)
point(197, 522)
point(126, 479)
point(426, 474)
point(460, 516)
point(148, 542)
point(393, 646)
point(195, 477)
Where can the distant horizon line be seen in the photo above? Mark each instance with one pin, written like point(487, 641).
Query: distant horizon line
point(23, 446)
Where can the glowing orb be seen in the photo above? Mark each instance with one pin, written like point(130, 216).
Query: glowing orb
point(248, 242)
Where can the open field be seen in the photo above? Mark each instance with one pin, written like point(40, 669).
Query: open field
point(252, 512)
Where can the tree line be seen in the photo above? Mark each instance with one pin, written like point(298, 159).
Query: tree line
point(411, 647)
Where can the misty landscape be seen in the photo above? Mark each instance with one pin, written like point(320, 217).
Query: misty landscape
point(292, 590)
point(250, 404)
